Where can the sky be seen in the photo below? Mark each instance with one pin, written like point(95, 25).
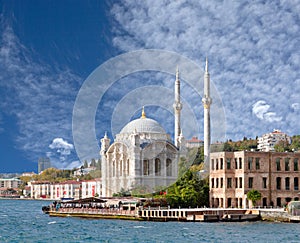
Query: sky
point(64, 60)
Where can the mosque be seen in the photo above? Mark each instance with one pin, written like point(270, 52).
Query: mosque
point(142, 155)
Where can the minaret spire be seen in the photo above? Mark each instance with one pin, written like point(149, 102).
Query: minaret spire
point(177, 73)
point(177, 109)
point(206, 101)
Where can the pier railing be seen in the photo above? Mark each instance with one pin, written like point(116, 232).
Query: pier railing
point(103, 211)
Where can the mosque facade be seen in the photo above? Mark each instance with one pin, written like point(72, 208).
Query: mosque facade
point(142, 156)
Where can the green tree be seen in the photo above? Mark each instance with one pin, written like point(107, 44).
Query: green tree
point(93, 163)
point(282, 146)
point(98, 164)
point(254, 196)
point(199, 158)
point(295, 145)
point(188, 191)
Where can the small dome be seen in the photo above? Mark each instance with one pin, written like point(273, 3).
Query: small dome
point(143, 125)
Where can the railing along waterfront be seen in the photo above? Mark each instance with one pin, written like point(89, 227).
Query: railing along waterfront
point(101, 211)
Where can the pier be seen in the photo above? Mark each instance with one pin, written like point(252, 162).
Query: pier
point(199, 214)
point(160, 214)
point(132, 210)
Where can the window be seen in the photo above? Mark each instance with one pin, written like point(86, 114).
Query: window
point(236, 182)
point(296, 184)
point(212, 183)
point(228, 160)
point(145, 167)
point(212, 164)
point(257, 165)
point(221, 164)
point(296, 167)
point(229, 202)
point(229, 182)
point(241, 182)
point(235, 163)
point(278, 202)
point(169, 167)
point(157, 166)
point(217, 164)
point(217, 183)
point(278, 183)
point(121, 167)
point(264, 202)
point(127, 167)
point(287, 164)
point(278, 164)
point(250, 182)
point(287, 183)
point(114, 169)
point(264, 182)
point(222, 183)
point(240, 163)
point(250, 160)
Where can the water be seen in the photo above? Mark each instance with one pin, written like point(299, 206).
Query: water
point(23, 221)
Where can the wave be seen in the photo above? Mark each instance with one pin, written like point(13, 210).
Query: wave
point(52, 222)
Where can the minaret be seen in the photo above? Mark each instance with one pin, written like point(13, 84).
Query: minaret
point(206, 101)
point(177, 109)
point(105, 143)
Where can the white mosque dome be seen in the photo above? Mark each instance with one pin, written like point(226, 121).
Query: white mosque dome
point(143, 125)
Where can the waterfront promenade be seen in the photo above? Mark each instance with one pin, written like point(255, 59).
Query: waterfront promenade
point(184, 214)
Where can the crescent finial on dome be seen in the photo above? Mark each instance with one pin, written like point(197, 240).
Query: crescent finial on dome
point(143, 113)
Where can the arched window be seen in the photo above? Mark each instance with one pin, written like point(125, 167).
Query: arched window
point(157, 167)
point(127, 167)
point(121, 168)
point(145, 167)
point(278, 183)
point(221, 164)
point(114, 169)
point(296, 184)
point(169, 167)
point(212, 164)
point(287, 183)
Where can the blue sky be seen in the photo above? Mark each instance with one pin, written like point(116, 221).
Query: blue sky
point(48, 49)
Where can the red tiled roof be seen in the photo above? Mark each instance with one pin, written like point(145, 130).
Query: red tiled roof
point(194, 140)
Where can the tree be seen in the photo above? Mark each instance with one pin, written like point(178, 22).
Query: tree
point(188, 191)
point(254, 196)
point(93, 163)
point(295, 145)
point(282, 146)
point(98, 164)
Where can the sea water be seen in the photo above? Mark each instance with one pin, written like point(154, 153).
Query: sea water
point(24, 221)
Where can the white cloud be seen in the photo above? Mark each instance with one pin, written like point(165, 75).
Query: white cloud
point(61, 146)
point(62, 152)
point(261, 110)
